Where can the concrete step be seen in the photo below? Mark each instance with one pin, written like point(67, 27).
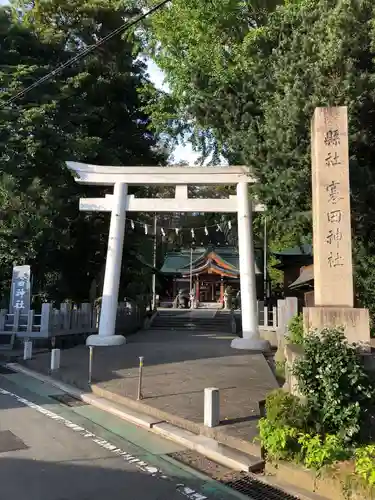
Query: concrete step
point(210, 448)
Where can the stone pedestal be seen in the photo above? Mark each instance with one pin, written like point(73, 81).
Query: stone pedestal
point(355, 322)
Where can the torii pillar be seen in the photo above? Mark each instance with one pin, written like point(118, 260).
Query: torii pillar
point(119, 203)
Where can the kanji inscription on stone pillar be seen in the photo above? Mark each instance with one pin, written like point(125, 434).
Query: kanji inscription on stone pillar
point(333, 268)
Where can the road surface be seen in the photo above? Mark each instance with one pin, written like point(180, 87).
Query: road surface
point(51, 451)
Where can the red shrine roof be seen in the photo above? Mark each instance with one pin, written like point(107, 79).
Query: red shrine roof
point(223, 262)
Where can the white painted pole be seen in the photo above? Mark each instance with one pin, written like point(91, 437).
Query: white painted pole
point(108, 312)
point(211, 407)
point(250, 331)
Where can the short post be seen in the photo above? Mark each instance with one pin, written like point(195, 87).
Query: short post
point(211, 407)
point(140, 395)
point(91, 355)
point(55, 359)
point(27, 350)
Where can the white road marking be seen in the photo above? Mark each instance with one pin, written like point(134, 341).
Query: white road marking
point(143, 466)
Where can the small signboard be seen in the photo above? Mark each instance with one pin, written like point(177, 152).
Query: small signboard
point(21, 289)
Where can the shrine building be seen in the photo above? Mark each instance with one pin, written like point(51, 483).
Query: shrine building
point(211, 270)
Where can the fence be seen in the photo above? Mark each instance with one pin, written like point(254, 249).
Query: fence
point(267, 316)
point(277, 317)
point(82, 319)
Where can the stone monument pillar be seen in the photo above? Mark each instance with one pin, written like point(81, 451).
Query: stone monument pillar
point(332, 238)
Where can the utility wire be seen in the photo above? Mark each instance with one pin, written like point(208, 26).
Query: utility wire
point(87, 51)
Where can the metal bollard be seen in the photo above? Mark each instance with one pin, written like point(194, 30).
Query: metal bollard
point(91, 355)
point(140, 396)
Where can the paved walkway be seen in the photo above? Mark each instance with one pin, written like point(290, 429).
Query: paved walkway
point(178, 365)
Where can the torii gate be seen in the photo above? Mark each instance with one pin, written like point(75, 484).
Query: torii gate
point(120, 202)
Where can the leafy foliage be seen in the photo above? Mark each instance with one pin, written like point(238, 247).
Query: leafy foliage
point(279, 441)
point(295, 330)
point(365, 463)
point(284, 409)
point(331, 377)
point(323, 427)
point(92, 112)
point(318, 451)
point(245, 78)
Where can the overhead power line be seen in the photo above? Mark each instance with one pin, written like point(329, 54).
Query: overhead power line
point(87, 51)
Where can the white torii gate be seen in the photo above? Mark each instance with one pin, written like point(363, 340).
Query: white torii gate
point(120, 202)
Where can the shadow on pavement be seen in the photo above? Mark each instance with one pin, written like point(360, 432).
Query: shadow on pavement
point(23, 479)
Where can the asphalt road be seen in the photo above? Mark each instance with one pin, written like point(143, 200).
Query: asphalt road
point(49, 451)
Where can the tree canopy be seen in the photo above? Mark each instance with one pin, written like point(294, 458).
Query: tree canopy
point(245, 78)
point(93, 112)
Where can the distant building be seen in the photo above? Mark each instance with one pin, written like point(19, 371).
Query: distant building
point(212, 270)
point(297, 266)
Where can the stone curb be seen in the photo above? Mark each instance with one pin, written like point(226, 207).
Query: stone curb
point(206, 446)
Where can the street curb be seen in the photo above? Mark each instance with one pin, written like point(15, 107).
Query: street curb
point(206, 446)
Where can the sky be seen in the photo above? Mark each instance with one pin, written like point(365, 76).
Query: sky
point(181, 152)
point(156, 75)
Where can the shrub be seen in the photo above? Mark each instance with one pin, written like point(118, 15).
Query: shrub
point(280, 371)
point(279, 442)
point(332, 379)
point(365, 464)
point(318, 451)
point(284, 409)
point(295, 330)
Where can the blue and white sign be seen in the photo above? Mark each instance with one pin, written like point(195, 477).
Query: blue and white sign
point(21, 289)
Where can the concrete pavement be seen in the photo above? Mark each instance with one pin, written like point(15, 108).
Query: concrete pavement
point(178, 365)
point(55, 452)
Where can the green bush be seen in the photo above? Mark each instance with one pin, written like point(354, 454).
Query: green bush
point(279, 442)
point(318, 451)
point(365, 464)
point(285, 410)
point(295, 330)
point(332, 379)
point(280, 371)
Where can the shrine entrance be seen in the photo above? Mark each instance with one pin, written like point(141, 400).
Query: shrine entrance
point(120, 203)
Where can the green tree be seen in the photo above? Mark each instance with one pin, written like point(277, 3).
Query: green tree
point(92, 112)
point(248, 80)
